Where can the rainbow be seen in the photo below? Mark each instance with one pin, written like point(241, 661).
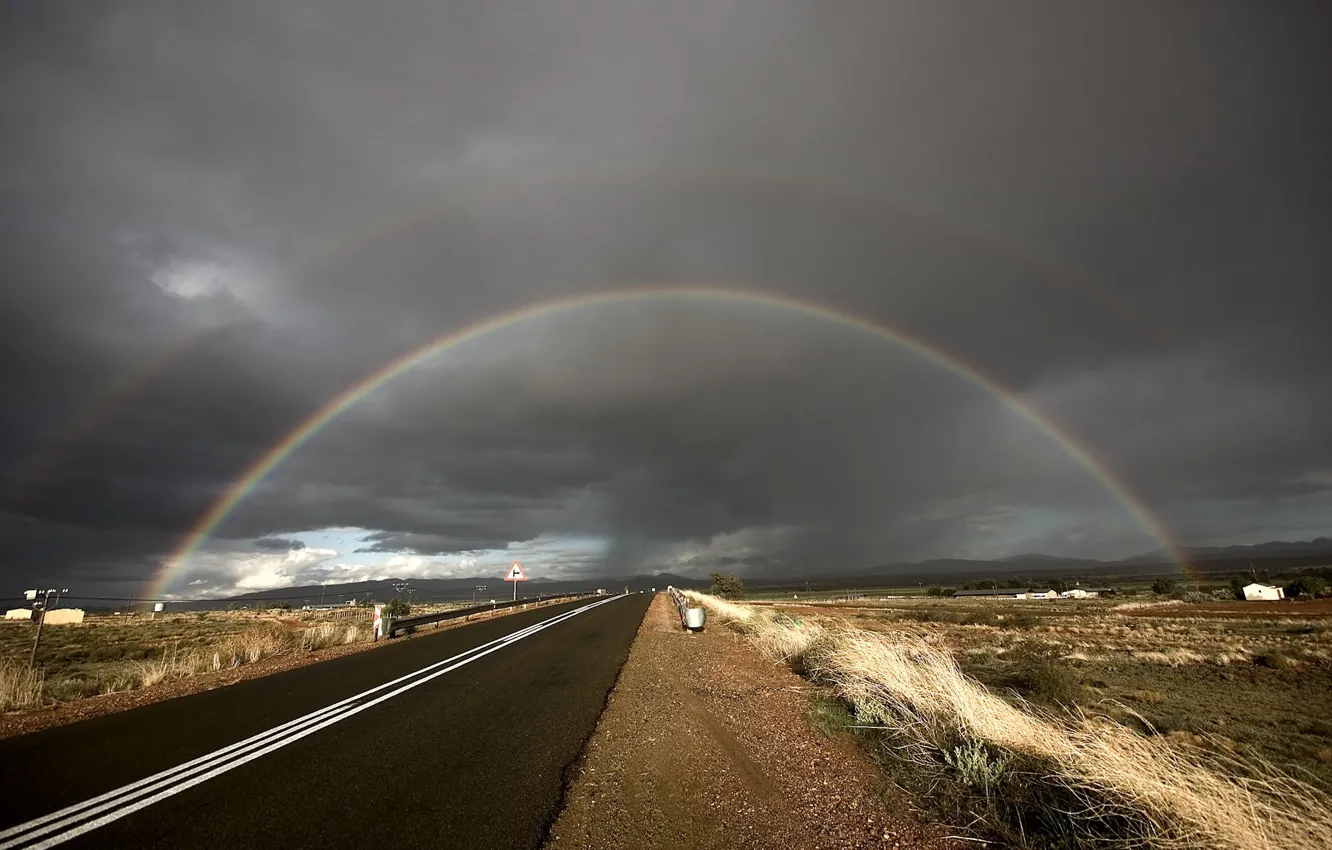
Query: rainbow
point(237, 491)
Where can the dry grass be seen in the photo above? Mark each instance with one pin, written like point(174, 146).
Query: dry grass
point(20, 687)
point(912, 687)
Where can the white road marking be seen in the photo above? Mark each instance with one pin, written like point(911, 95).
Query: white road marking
point(174, 780)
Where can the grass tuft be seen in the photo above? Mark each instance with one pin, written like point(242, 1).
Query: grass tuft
point(20, 686)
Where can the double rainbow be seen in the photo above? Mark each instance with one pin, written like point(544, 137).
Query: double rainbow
point(265, 464)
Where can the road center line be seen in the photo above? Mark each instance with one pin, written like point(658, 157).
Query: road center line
point(188, 775)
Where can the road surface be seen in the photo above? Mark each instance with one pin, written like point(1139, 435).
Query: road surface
point(459, 739)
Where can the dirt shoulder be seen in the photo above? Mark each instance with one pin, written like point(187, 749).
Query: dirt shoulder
point(35, 719)
point(706, 744)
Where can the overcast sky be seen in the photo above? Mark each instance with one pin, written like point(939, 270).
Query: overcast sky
point(218, 216)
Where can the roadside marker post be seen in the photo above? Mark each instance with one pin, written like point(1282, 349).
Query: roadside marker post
point(379, 622)
point(515, 575)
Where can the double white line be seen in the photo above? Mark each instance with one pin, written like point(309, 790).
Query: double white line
point(73, 821)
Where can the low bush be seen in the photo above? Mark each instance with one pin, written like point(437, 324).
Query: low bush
point(980, 618)
point(828, 714)
point(1039, 674)
point(977, 768)
point(1276, 660)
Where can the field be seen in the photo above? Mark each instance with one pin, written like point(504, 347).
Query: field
point(111, 653)
point(1254, 683)
point(990, 707)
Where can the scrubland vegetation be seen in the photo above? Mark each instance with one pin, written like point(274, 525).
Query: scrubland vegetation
point(1076, 724)
point(107, 653)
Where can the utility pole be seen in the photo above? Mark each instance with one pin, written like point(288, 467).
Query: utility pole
point(41, 617)
point(400, 586)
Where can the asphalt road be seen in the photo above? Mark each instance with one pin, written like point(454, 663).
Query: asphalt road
point(462, 740)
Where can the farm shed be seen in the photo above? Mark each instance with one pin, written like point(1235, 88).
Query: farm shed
point(1255, 591)
point(18, 614)
point(1007, 593)
point(1041, 594)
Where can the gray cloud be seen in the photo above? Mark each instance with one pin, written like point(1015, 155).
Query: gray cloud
point(277, 544)
point(220, 217)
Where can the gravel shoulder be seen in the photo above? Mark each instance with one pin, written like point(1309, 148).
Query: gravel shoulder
point(706, 744)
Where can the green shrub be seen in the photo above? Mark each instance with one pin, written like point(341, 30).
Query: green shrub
point(1309, 586)
point(976, 767)
point(397, 608)
point(727, 586)
point(828, 714)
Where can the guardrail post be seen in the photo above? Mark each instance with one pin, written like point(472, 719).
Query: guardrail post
point(695, 618)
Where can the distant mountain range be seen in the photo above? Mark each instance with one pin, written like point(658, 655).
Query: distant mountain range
point(1273, 555)
point(441, 590)
point(1273, 549)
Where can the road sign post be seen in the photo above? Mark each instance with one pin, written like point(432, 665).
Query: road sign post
point(515, 575)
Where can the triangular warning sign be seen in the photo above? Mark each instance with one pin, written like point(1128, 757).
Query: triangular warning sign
point(516, 573)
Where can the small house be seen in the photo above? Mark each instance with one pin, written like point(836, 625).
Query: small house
point(1254, 592)
point(18, 614)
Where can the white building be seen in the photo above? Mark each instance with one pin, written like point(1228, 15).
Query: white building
point(1256, 591)
point(18, 614)
point(64, 616)
point(1041, 594)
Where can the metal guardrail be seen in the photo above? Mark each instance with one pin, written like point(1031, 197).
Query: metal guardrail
point(691, 616)
point(393, 625)
point(681, 604)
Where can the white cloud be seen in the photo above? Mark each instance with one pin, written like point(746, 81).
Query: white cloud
point(190, 280)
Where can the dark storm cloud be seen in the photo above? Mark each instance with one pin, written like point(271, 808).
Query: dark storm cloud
point(1118, 212)
point(277, 544)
